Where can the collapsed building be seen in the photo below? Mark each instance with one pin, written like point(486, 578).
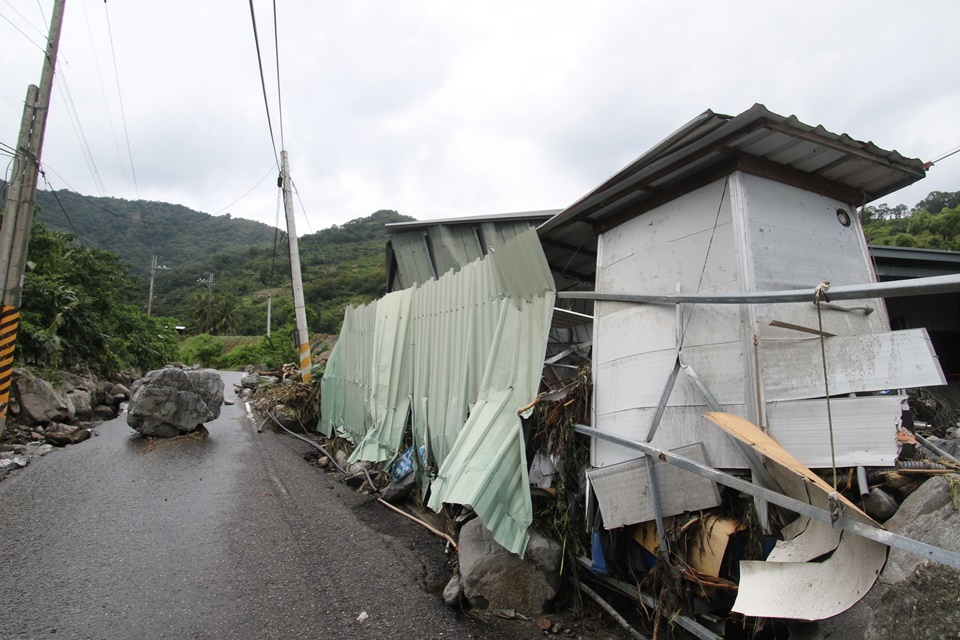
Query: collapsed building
point(721, 289)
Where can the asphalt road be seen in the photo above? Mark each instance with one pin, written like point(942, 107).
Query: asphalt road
point(232, 536)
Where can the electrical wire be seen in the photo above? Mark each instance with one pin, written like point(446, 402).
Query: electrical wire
point(22, 32)
point(123, 116)
point(944, 156)
point(263, 83)
point(269, 172)
point(103, 93)
point(63, 210)
point(276, 48)
point(74, 116)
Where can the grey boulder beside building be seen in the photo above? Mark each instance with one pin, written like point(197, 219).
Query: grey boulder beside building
point(171, 402)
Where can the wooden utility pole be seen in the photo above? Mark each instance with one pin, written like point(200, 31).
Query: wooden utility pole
point(299, 308)
point(18, 208)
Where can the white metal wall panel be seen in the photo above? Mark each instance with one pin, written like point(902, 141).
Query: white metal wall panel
point(864, 430)
point(679, 426)
point(796, 242)
point(641, 378)
point(689, 242)
point(623, 490)
point(793, 370)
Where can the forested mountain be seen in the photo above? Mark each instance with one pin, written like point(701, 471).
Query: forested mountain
point(221, 269)
point(341, 265)
point(136, 231)
point(933, 223)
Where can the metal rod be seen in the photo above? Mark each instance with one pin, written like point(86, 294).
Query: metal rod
point(937, 450)
point(922, 549)
point(632, 591)
point(894, 289)
point(613, 612)
point(657, 511)
point(664, 398)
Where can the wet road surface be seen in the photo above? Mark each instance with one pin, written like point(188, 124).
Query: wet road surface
point(231, 536)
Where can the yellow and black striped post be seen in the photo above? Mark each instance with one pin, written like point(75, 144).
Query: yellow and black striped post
point(306, 362)
point(9, 321)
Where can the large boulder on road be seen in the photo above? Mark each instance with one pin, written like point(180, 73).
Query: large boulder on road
point(170, 402)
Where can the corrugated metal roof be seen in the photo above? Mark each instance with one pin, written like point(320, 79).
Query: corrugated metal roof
point(463, 352)
point(756, 141)
point(420, 250)
point(711, 139)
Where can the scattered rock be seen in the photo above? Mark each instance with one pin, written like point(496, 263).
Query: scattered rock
point(63, 434)
point(120, 390)
point(400, 490)
point(880, 505)
point(80, 403)
point(39, 401)
point(452, 592)
point(170, 402)
point(251, 380)
point(228, 402)
point(504, 580)
point(356, 481)
point(287, 416)
point(104, 412)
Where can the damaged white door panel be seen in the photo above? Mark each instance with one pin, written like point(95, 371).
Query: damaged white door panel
point(804, 590)
point(625, 497)
point(793, 369)
point(864, 430)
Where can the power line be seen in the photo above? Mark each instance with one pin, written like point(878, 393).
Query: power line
point(103, 93)
point(276, 48)
point(269, 172)
point(263, 83)
point(945, 156)
point(62, 209)
point(74, 116)
point(123, 112)
point(23, 33)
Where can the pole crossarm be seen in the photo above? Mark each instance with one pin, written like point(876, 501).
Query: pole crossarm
point(882, 536)
point(895, 289)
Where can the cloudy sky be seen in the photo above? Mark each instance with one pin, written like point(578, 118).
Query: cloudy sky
point(446, 109)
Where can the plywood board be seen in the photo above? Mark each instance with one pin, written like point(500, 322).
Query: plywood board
point(625, 497)
point(864, 430)
point(793, 369)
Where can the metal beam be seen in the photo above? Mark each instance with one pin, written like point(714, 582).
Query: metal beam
point(921, 549)
point(896, 289)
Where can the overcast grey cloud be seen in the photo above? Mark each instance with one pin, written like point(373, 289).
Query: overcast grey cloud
point(441, 109)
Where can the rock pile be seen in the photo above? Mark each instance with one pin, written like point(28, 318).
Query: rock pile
point(43, 416)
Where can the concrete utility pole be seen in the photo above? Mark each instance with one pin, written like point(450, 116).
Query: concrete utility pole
point(298, 305)
point(18, 208)
point(269, 300)
point(209, 282)
point(153, 271)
